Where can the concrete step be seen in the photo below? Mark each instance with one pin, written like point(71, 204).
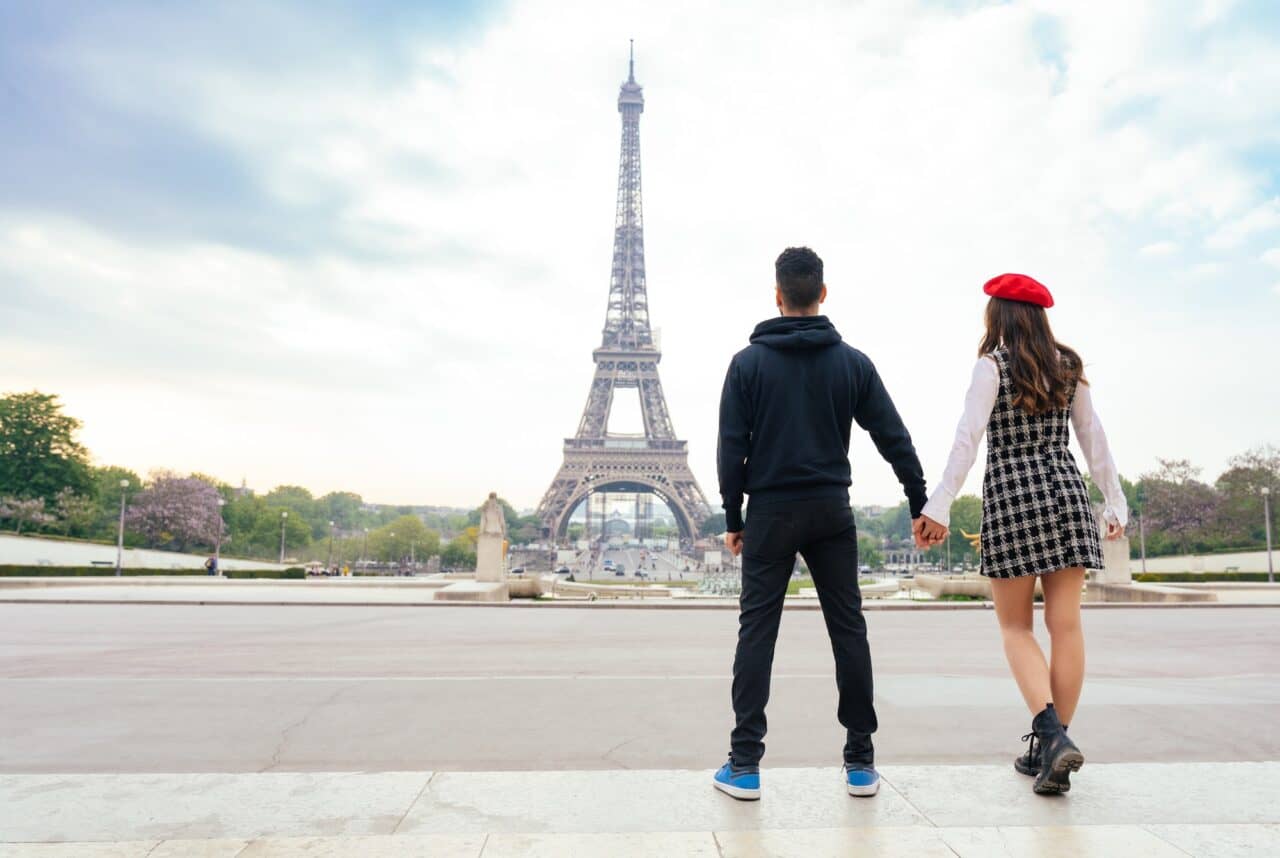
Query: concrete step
point(1218, 809)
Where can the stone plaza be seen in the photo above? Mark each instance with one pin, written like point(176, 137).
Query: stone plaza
point(275, 729)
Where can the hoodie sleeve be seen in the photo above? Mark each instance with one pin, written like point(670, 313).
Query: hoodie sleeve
point(733, 447)
point(874, 411)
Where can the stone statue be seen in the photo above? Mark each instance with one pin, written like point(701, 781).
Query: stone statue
point(491, 543)
point(492, 519)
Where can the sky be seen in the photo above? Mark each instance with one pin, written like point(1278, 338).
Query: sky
point(366, 246)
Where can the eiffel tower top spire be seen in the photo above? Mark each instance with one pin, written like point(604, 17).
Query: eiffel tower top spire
point(627, 319)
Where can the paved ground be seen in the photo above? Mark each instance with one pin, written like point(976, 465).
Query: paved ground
point(88, 688)
point(1114, 810)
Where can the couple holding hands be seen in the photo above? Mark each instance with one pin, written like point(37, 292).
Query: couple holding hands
point(786, 413)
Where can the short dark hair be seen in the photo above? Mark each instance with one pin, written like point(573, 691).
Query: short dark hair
point(798, 271)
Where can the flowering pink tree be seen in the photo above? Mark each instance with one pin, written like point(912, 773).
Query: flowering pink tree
point(24, 511)
point(174, 510)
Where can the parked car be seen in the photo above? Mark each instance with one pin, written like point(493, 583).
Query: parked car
point(519, 570)
point(619, 569)
point(563, 570)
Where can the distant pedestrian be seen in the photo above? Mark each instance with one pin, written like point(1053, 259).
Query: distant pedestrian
point(211, 566)
point(1037, 521)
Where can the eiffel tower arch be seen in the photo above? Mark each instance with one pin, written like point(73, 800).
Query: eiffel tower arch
point(654, 461)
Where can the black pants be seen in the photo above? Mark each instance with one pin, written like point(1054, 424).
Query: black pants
point(823, 532)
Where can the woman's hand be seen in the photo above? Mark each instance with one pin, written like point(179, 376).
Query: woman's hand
point(1114, 530)
point(928, 532)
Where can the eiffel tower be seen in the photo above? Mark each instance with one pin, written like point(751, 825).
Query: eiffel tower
point(654, 462)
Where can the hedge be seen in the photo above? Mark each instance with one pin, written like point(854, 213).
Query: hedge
point(293, 572)
point(1189, 577)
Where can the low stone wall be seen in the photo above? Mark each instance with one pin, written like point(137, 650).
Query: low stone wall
point(1098, 592)
point(609, 591)
point(938, 586)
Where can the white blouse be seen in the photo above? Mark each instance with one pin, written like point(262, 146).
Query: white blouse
point(979, 402)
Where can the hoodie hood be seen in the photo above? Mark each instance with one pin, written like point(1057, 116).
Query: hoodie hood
point(796, 332)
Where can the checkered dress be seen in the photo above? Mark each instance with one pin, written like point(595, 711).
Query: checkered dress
point(1036, 515)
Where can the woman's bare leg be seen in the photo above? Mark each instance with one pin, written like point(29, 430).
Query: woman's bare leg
point(1013, 598)
point(1062, 618)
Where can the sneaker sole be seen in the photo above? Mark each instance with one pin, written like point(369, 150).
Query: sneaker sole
point(863, 791)
point(740, 793)
point(1058, 779)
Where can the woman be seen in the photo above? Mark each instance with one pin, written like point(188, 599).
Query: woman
point(1037, 522)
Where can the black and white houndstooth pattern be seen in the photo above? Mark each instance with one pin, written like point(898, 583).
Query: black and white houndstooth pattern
point(1036, 515)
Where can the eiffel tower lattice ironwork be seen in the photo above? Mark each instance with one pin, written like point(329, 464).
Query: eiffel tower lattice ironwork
point(654, 462)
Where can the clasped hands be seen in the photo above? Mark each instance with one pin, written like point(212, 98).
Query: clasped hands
point(928, 532)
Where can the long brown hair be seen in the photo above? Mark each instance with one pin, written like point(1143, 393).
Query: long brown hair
point(1044, 371)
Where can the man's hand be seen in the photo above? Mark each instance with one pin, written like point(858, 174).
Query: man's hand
point(733, 542)
point(928, 532)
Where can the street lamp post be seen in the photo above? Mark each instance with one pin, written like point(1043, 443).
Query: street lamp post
point(364, 549)
point(284, 517)
point(124, 486)
point(1266, 512)
point(1142, 539)
point(393, 551)
point(217, 550)
point(329, 563)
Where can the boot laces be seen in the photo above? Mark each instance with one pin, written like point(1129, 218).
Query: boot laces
point(1031, 739)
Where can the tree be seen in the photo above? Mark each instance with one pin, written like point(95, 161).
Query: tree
point(39, 455)
point(1177, 502)
point(460, 553)
point(1240, 513)
point(966, 515)
point(342, 508)
point(301, 505)
point(106, 491)
point(527, 529)
point(869, 552)
point(174, 510)
point(712, 525)
point(77, 513)
point(22, 511)
point(404, 537)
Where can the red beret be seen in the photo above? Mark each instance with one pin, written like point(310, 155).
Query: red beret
point(1019, 287)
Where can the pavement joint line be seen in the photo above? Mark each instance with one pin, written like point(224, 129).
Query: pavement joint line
point(910, 803)
point(417, 798)
point(1157, 836)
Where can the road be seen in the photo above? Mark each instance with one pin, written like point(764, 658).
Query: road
point(87, 688)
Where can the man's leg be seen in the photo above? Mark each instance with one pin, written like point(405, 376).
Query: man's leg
point(768, 556)
point(833, 562)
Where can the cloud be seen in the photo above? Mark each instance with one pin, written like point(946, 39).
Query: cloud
point(1272, 257)
point(1159, 248)
point(1262, 219)
point(374, 254)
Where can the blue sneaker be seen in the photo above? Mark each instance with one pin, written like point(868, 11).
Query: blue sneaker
point(861, 780)
point(741, 783)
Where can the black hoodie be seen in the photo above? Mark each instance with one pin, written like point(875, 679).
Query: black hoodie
point(785, 413)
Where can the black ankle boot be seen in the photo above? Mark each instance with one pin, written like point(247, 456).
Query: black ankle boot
point(1029, 762)
point(1059, 756)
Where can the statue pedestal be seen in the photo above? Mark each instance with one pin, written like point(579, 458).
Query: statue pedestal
point(489, 560)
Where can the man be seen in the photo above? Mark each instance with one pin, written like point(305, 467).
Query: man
point(785, 416)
